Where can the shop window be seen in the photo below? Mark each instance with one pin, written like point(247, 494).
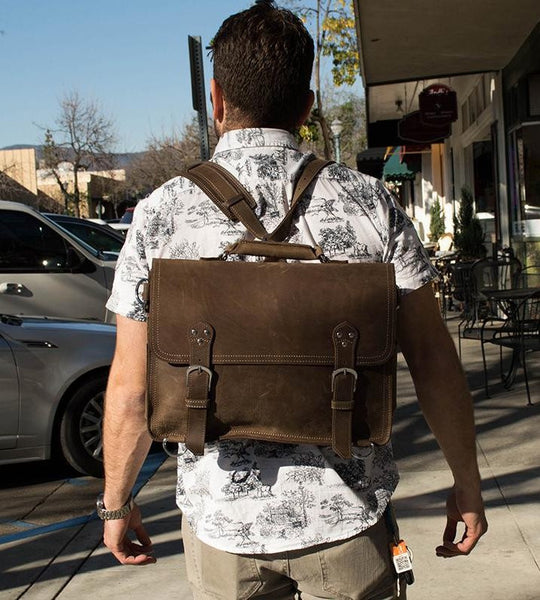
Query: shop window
point(534, 95)
point(484, 177)
point(531, 171)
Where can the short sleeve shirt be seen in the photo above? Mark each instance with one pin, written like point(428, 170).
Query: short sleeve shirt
point(248, 496)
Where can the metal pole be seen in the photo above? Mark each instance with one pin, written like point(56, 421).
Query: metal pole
point(198, 93)
point(337, 145)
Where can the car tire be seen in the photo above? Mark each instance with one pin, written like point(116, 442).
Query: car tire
point(80, 427)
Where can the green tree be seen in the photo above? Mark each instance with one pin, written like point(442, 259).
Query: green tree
point(436, 225)
point(350, 109)
point(331, 23)
point(468, 233)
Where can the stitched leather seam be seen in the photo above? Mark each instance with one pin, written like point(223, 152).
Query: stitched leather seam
point(276, 435)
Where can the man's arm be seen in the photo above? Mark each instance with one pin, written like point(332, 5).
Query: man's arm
point(446, 403)
point(126, 441)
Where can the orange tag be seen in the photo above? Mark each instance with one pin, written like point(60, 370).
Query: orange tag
point(401, 557)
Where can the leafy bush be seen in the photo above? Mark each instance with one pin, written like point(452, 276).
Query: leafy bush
point(468, 232)
point(436, 225)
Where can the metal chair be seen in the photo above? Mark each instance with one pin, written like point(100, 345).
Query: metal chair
point(521, 334)
point(481, 318)
point(529, 277)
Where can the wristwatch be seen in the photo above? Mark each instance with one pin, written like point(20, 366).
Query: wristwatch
point(109, 515)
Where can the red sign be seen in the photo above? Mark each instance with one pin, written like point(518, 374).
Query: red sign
point(438, 105)
point(413, 129)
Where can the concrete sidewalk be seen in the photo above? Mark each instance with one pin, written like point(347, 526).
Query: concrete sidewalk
point(505, 565)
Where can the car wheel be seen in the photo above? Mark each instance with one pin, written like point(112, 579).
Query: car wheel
point(80, 428)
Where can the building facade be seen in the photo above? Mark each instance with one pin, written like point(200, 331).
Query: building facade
point(488, 53)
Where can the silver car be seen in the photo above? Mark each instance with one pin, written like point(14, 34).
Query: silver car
point(53, 374)
point(45, 270)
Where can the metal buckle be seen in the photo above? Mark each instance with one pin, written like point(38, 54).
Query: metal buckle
point(141, 293)
point(199, 369)
point(344, 371)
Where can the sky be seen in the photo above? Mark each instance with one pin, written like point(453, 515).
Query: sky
point(129, 56)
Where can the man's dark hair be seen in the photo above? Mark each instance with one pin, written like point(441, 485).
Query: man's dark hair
point(263, 57)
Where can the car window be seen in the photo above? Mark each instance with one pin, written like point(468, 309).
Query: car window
point(99, 239)
point(27, 244)
point(127, 217)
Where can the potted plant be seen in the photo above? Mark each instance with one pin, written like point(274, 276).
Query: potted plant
point(468, 232)
point(436, 224)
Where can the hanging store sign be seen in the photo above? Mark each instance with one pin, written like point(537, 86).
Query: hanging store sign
point(412, 129)
point(438, 105)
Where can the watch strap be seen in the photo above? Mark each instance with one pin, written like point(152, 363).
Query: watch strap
point(110, 515)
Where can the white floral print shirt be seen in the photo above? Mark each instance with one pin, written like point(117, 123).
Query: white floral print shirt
point(259, 497)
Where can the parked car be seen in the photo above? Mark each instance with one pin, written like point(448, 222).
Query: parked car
point(45, 270)
point(127, 217)
point(102, 238)
point(53, 374)
point(125, 221)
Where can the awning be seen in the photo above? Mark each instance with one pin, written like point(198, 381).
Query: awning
point(369, 154)
point(371, 161)
point(401, 167)
point(439, 39)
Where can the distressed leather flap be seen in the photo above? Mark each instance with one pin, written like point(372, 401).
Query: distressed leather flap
point(303, 302)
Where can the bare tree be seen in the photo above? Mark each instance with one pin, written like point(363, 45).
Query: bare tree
point(163, 159)
point(8, 185)
point(82, 138)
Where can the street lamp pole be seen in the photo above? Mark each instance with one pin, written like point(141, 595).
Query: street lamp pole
point(337, 127)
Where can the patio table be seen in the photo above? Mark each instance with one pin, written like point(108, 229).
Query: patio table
point(512, 302)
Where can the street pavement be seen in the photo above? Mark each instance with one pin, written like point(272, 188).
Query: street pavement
point(67, 561)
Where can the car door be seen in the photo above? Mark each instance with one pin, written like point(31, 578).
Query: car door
point(9, 397)
point(42, 272)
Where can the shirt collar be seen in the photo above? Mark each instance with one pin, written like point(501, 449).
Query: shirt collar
point(255, 138)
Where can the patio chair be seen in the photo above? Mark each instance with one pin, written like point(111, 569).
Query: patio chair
point(529, 277)
point(481, 317)
point(521, 334)
point(444, 285)
point(445, 244)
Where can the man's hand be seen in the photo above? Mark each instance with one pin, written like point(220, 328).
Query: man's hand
point(462, 506)
point(116, 538)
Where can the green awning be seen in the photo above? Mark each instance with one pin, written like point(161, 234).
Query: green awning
point(396, 167)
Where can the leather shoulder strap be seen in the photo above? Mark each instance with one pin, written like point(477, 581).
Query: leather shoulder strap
point(309, 173)
point(228, 194)
point(232, 198)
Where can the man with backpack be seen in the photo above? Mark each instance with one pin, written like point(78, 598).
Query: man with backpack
point(264, 519)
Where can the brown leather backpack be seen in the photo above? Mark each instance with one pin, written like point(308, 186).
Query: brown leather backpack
point(289, 352)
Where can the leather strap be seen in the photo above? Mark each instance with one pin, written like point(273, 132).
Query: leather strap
point(232, 198)
point(344, 378)
point(198, 384)
point(276, 250)
point(310, 172)
point(228, 194)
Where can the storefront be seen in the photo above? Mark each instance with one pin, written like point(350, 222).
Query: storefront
point(493, 148)
point(521, 79)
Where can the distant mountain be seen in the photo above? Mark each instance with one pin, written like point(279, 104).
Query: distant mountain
point(122, 159)
point(20, 147)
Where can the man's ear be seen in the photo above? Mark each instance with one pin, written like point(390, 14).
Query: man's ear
point(307, 108)
point(216, 95)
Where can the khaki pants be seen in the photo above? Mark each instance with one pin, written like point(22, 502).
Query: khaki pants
point(358, 568)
